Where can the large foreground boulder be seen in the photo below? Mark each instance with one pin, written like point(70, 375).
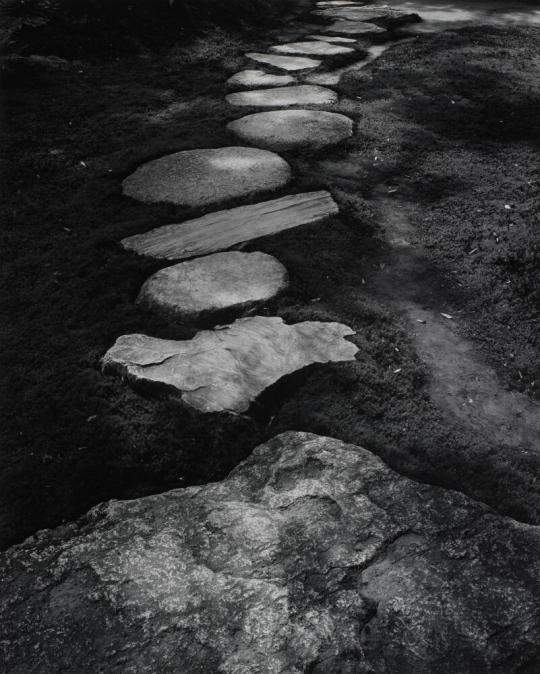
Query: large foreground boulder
point(312, 556)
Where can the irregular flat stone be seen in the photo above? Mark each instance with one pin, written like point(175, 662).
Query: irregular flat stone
point(313, 48)
point(288, 129)
point(289, 63)
point(302, 94)
point(331, 38)
point(310, 556)
point(387, 16)
point(191, 290)
point(334, 3)
point(354, 28)
point(201, 177)
point(226, 369)
point(252, 79)
point(223, 229)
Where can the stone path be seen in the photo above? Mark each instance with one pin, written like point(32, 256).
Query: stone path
point(331, 38)
point(312, 48)
point(253, 79)
point(223, 229)
point(201, 177)
point(303, 94)
point(224, 370)
point(192, 290)
point(289, 63)
point(289, 129)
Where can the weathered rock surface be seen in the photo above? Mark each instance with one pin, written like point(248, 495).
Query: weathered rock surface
point(311, 556)
point(289, 63)
point(354, 28)
point(335, 3)
point(192, 290)
point(201, 177)
point(303, 94)
point(331, 38)
point(223, 229)
point(288, 129)
point(252, 79)
point(226, 369)
point(386, 16)
point(313, 48)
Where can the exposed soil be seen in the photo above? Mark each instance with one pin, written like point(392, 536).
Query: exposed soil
point(447, 127)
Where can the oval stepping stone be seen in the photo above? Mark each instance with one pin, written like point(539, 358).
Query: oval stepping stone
point(200, 177)
point(224, 370)
point(331, 38)
point(289, 63)
point(286, 129)
point(223, 229)
point(191, 290)
point(252, 79)
point(354, 28)
point(303, 94)
point(313, 48)
point(335, 3)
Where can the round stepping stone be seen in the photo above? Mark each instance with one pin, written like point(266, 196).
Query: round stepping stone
point(289, 63)
point(331, 38)
point(287, 129)
point(303, 94)
point(190, 290)
point(252, 79)
point(226, 369)
point(313, 48)
point(201, 177)
point(354, 28)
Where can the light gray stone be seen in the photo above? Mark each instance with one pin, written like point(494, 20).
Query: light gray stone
point(201, 177)
point(312, 48)
point(344, 27)
point(223, 229)
point(302, 94)
point(289, 63)
point(252, 79)
point(311, 556)
point(194, 289)
point(288, 129)
point(226, 369)
point(331, 38)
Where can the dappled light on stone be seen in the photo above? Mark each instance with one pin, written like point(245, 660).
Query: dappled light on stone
point(226, 369)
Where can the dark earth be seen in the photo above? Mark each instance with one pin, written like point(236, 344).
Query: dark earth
point(447, 128)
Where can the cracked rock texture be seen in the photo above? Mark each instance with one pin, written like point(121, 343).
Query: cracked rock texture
point(312, 556)
point(201, 177)
point(224, 370)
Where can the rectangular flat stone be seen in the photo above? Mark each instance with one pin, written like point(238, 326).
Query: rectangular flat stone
point(223, 229)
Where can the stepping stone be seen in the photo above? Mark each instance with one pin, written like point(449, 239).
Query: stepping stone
point(287, 129)
point(354, 28)
point(192, 290)
point(332, 38)
point(289, 63)
point(252, 79)
point(313, 48)
point(226, 369)
point(303, 94)
point(335, 3)
point(201, 177)
point(223, 229)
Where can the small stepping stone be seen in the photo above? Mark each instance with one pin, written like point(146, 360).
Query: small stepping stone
point(331, 38)
point(201, 177)
point(289, 63)
point(303, 94)
point(354, 28)
point(223, 229)
point(335, 3)
point(226, 369)
point(313, 48)
point(194, 289)
point(252, 79)
point(287, 129)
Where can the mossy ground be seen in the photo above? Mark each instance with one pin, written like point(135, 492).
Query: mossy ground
point(72, 437)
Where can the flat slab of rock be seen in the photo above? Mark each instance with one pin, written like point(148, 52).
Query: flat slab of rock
point(288, 129)
point(354, 28)
point(312, 48)
point(201, 177)
point(289, 63)
point(194, 289)
point(252, 79)
point(223, 229)
point(302, 94)
point(331, 38)
point(387, 16)
point(226, 369)
point(312, 555)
